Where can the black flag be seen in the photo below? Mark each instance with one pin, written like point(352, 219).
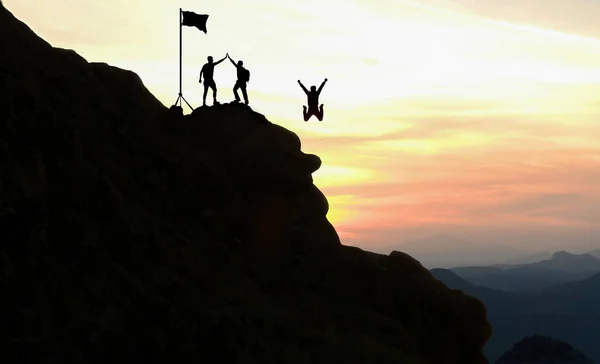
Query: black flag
point(192, 19)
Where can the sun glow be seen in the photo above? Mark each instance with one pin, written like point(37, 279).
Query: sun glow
point(419, 92)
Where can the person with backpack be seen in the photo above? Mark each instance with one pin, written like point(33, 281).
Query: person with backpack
point(243, 76)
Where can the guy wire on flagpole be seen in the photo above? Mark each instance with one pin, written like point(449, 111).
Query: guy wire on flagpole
point(180, 97)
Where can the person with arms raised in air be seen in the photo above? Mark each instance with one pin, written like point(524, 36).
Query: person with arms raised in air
point(313, 101)
point(243, 76)
point(208, 71)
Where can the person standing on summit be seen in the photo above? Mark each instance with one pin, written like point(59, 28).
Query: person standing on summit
point(243, 76)
point(208, 71)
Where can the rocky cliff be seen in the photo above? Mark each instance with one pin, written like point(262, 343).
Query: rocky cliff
point(543, 350)
point(129, 232)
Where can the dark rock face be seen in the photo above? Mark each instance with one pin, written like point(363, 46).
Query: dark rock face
point(543, 350)
point(130, 232)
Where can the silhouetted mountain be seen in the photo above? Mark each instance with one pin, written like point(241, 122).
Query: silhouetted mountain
point(570, 263)
point(577, 296)
point(595, 253)
point(440, 251)
point(530, 258)
point(543, 350)
point(131, 233)
point(563, 267)
point(567, 312)
point(516, 279)
point(454, 281)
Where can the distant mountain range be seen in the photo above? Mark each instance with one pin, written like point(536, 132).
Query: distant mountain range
point(531, 258)
point(568, 312)
point(564, 262)
point(561, 267)
point(444, 251)
point(595, 253)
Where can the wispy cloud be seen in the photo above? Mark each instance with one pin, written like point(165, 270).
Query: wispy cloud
point(440, 115)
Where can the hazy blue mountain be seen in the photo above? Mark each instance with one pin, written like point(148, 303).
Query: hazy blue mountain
point(454, 281)
point(561, 268)
point(567, 312)
point(571, 263)
point(575, 296)
point(517, 279)
point(530, 258)
point(595, 253)
point(561, 261)
point(445, 251)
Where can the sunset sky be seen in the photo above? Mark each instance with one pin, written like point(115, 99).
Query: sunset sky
point(476, 119)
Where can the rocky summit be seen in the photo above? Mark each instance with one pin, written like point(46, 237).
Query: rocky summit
point(132, 233)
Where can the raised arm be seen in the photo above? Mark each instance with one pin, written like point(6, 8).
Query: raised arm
point(232, 61)
point(321, 87)
point(304, 88)
point(221, 60)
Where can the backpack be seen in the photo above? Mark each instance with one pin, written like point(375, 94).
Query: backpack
point(245, 75)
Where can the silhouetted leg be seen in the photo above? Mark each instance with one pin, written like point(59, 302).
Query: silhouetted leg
point(213, 86)
point(235, 93)
point(319, 114)
point(305, 114)
point(244, 93)
point(205, 92)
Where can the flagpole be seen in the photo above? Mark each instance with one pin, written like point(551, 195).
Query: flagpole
point(180, 56)
point(180, 98)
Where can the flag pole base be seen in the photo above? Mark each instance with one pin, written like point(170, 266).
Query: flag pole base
point(179, 100)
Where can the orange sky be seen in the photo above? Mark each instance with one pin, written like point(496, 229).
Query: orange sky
point(462, 117)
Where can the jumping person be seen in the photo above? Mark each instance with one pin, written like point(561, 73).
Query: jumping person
point(208, 71)
point(313, 101)
point(243, 76)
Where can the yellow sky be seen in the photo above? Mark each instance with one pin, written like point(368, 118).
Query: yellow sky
point(441, 116)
